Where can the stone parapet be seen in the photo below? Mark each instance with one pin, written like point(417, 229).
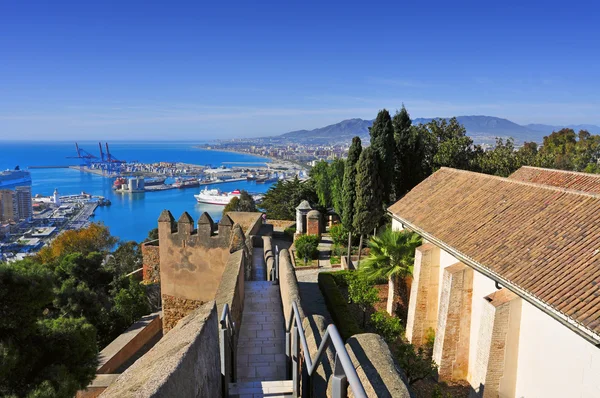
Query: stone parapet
point(377, 371)
point(288, 286)
point(423, 302)
point(269, 254)
point(185, 363)
point(451, 348)
point(231, 288)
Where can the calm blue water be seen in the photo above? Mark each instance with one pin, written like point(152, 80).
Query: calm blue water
point(131, 216)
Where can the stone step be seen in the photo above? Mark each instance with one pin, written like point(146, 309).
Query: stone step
point(261, 389)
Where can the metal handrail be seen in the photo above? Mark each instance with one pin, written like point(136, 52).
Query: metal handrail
point(343, 370)
point(274, 275)
point(227, 349)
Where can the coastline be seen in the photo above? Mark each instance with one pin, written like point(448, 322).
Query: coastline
point(274, 160)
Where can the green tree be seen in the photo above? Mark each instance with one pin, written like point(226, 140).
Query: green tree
point(327, 179)
point(368, 209)
point(383, 143)
point(281, 199)
point(447, 145)
point(502, 161)
point(391, 256)
point(126, 258)
point(244, 202)
point(349, 189)
point(410, 153)
point(363, 294)
point(336, 179)
point(40, 356)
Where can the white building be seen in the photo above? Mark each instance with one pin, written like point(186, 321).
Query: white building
point(508, 277)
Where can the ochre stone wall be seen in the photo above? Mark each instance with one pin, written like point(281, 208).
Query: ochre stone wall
point(497, 360)
point(151, 261)
point(175, 308)
point(423, 303)
point(451, 348)
point(192, 261)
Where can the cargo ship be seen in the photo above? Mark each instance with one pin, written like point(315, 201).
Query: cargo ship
point(14, 178)
point(186, 183)
point(149, 182)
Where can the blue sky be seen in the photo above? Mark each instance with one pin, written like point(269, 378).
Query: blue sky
point(202, 70)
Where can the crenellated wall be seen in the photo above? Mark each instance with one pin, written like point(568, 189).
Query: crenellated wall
point(192, 261)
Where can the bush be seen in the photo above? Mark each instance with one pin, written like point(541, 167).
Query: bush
point(289, 232)
point(307, 246)
point(363, 294)
point(343, 278)
point(339, 235)
point(415, 362)
point(389, 327)
point(337, 306)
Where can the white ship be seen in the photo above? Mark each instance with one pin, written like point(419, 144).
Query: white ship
point(14, 178)
point(216, 197)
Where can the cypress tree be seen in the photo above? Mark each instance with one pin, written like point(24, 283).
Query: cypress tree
point(349, 183)
point(368, 209)
point(409, 154)
point(384, 145)
point(349, 190)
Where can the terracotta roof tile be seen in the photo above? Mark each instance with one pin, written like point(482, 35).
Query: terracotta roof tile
point(543, 240)
point(584, 182)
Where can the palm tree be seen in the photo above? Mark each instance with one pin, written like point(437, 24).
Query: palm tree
point(392, 256)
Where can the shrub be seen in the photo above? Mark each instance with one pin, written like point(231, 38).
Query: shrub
point(416, 363)
point(337, 306)
point(307, 246)
point(339, 235)
point(389, 327)
point(343, 278)
point(363, 294)
point(289, 232)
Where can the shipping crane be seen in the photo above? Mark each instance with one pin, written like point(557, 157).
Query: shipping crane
point(86, 158)
point(106, 162)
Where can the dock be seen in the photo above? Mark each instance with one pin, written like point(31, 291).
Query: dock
point(81, 220)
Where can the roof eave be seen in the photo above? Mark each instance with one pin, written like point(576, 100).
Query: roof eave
point(587, 334)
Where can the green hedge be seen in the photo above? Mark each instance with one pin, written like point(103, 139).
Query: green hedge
point(337, 305)
point(307, 246)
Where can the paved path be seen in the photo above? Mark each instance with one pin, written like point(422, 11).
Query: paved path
point(261, 344)
point(259, 269)
point(325, 251)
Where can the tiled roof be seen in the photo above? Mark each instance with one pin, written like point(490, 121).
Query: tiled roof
point(584, 182)
point(544, 242)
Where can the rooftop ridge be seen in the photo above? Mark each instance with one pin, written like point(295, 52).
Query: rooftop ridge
point(525, 183)
point(561, 171)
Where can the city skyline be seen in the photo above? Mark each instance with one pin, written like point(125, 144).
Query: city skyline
point(205, 71)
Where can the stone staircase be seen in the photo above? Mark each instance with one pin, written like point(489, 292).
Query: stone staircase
point(261, 361)
point(260, 389)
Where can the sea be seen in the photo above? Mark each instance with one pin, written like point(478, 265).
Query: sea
point(131, 216)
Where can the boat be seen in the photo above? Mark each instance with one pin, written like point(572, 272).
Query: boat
point(149, 182)
point(14, 178)
point(186, 183)
point(119, 182)
point(250, 177)
point(216, 197)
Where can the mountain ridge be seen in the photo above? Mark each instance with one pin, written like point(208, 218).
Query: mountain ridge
point(483, 129)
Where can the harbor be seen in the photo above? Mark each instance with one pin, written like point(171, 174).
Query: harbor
point(131, 215)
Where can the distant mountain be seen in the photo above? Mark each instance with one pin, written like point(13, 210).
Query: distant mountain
point(346, 129)
point(548, 129)
point(483, 130)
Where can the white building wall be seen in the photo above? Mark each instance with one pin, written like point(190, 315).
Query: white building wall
point(553, 360)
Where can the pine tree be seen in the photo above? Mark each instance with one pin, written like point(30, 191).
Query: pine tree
point(349, 190)
point(368, 209)
point(382, 142)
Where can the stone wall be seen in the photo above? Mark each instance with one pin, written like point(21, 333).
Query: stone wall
point(269, 254)
point(231, 288)
point(151, 261)
point(288, 286)
point(192, 261)
point(185, 363)
point(373, 361)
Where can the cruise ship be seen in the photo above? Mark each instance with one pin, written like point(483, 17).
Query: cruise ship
point(10, 179)
point(216, 197)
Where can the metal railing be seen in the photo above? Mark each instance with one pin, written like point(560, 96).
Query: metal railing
point(227, 349)
point(343, 369)
point(275, 270)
